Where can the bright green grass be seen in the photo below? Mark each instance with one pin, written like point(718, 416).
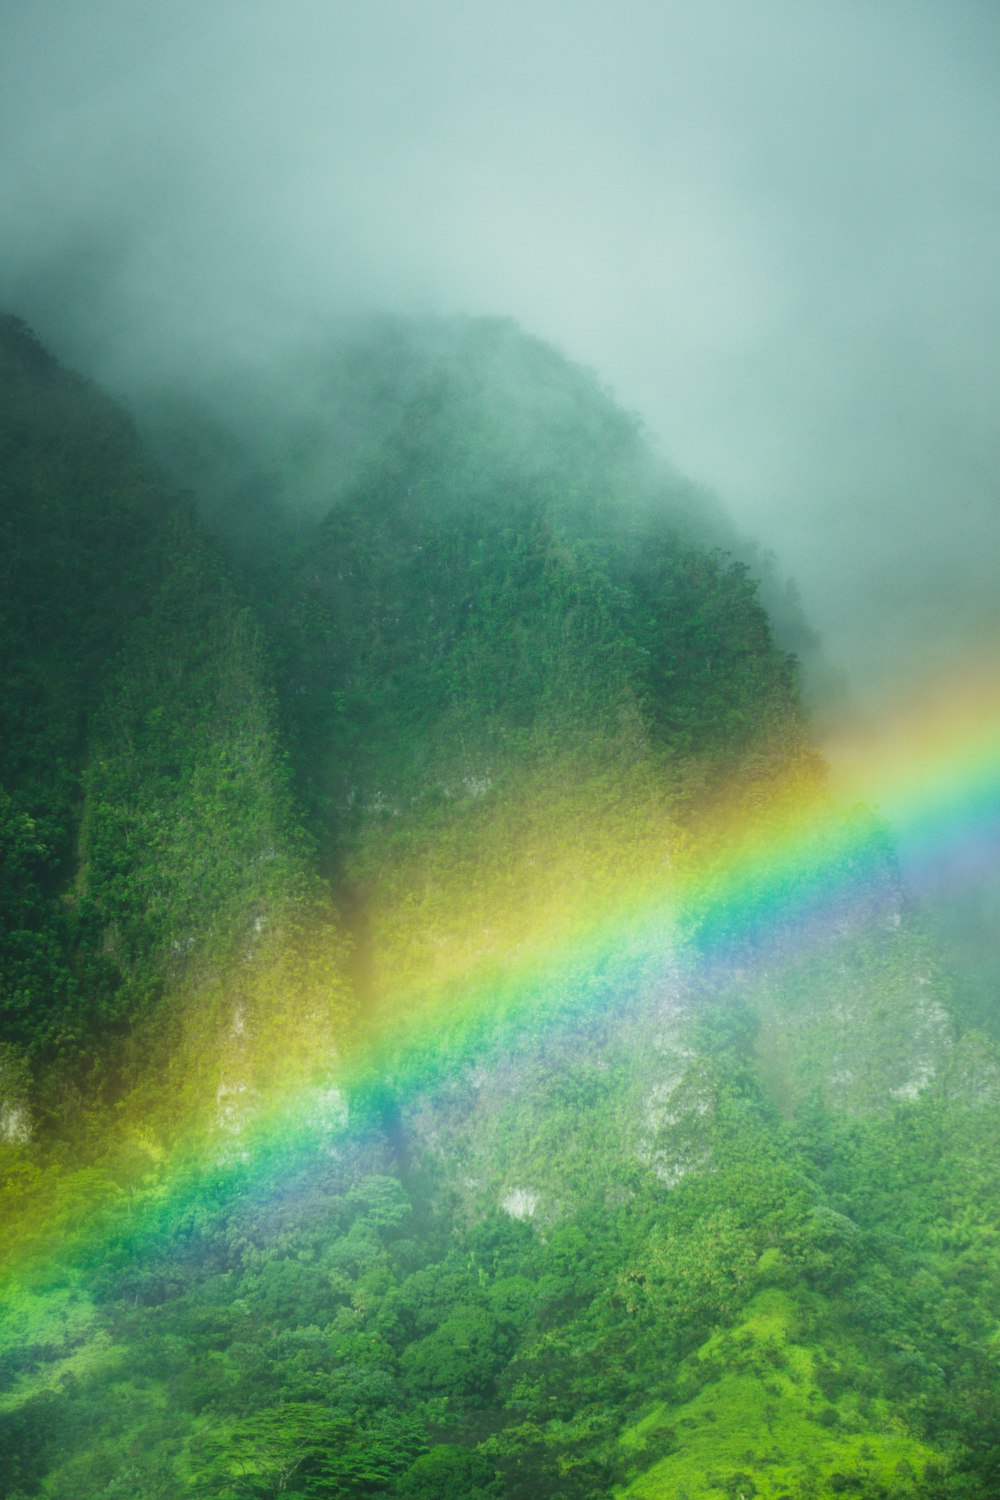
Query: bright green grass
point(762, 1428)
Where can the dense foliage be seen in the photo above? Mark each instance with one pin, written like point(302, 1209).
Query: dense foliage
point(367, 1125)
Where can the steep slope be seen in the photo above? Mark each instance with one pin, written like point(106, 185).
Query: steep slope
point(471, 411)
point(152, 860)
point(80, 522)
point(652, 1168)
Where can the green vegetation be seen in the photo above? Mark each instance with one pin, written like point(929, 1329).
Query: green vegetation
point(370, 1124)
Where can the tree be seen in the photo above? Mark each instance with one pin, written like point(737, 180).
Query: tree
point(446, 1472)
point(305, 1450)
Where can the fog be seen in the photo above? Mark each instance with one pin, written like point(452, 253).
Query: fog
point(773, 229)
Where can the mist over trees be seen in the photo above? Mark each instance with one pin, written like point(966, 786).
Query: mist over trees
point(498, 975)
point(414, 1076)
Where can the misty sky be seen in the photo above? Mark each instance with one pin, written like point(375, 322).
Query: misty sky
point(772, 228)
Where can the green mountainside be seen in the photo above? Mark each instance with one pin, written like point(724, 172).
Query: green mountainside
point(400, 1095)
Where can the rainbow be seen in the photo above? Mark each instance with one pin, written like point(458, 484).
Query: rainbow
point(931, 767)
point(932, 777)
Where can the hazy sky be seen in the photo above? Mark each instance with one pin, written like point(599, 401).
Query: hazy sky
point(772, 228)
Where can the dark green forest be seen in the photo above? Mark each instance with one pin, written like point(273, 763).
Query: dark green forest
point(424, 1071)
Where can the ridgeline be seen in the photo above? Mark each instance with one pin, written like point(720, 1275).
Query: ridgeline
point(451, 1044)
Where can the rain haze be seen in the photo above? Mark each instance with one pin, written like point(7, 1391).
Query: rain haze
point(771, 229)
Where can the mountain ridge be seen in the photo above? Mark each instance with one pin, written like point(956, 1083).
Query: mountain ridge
point(485, 1060)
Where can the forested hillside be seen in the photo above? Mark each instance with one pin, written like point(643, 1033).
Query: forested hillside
point(452, 1044)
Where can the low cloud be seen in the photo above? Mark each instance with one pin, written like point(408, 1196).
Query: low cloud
point(773, 230)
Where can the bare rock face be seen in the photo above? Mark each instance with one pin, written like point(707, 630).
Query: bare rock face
point(15, 1124)
point(16, 1127)
point(520, 1203)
